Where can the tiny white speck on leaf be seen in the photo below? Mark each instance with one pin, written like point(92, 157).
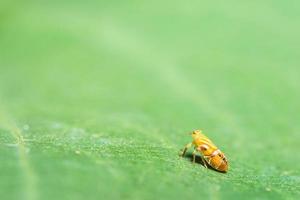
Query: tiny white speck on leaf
point(27, 150)
point(12, 145)
point(268, 189)
point(26, 127)
point(77, 152)
point(284, 173)
point(95, 135)
point(56, 125)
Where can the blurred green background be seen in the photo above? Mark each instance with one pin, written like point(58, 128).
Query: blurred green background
point(96, 98)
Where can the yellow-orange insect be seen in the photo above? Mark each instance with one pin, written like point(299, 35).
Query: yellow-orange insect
point(210, 153)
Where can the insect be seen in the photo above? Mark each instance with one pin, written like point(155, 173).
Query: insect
point(210, 153)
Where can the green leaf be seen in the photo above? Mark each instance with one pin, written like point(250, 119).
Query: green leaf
point(97, 98)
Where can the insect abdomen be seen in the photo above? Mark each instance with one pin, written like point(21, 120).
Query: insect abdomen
point(217, 160)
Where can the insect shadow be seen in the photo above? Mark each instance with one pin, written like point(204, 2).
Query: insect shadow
point(198, 160)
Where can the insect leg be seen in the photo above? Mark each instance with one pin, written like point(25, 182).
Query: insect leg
point(204, 162)
point(189, 145)
point(194, 155)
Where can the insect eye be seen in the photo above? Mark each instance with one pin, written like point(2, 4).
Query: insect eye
point(203, 147)
point(220, 155)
